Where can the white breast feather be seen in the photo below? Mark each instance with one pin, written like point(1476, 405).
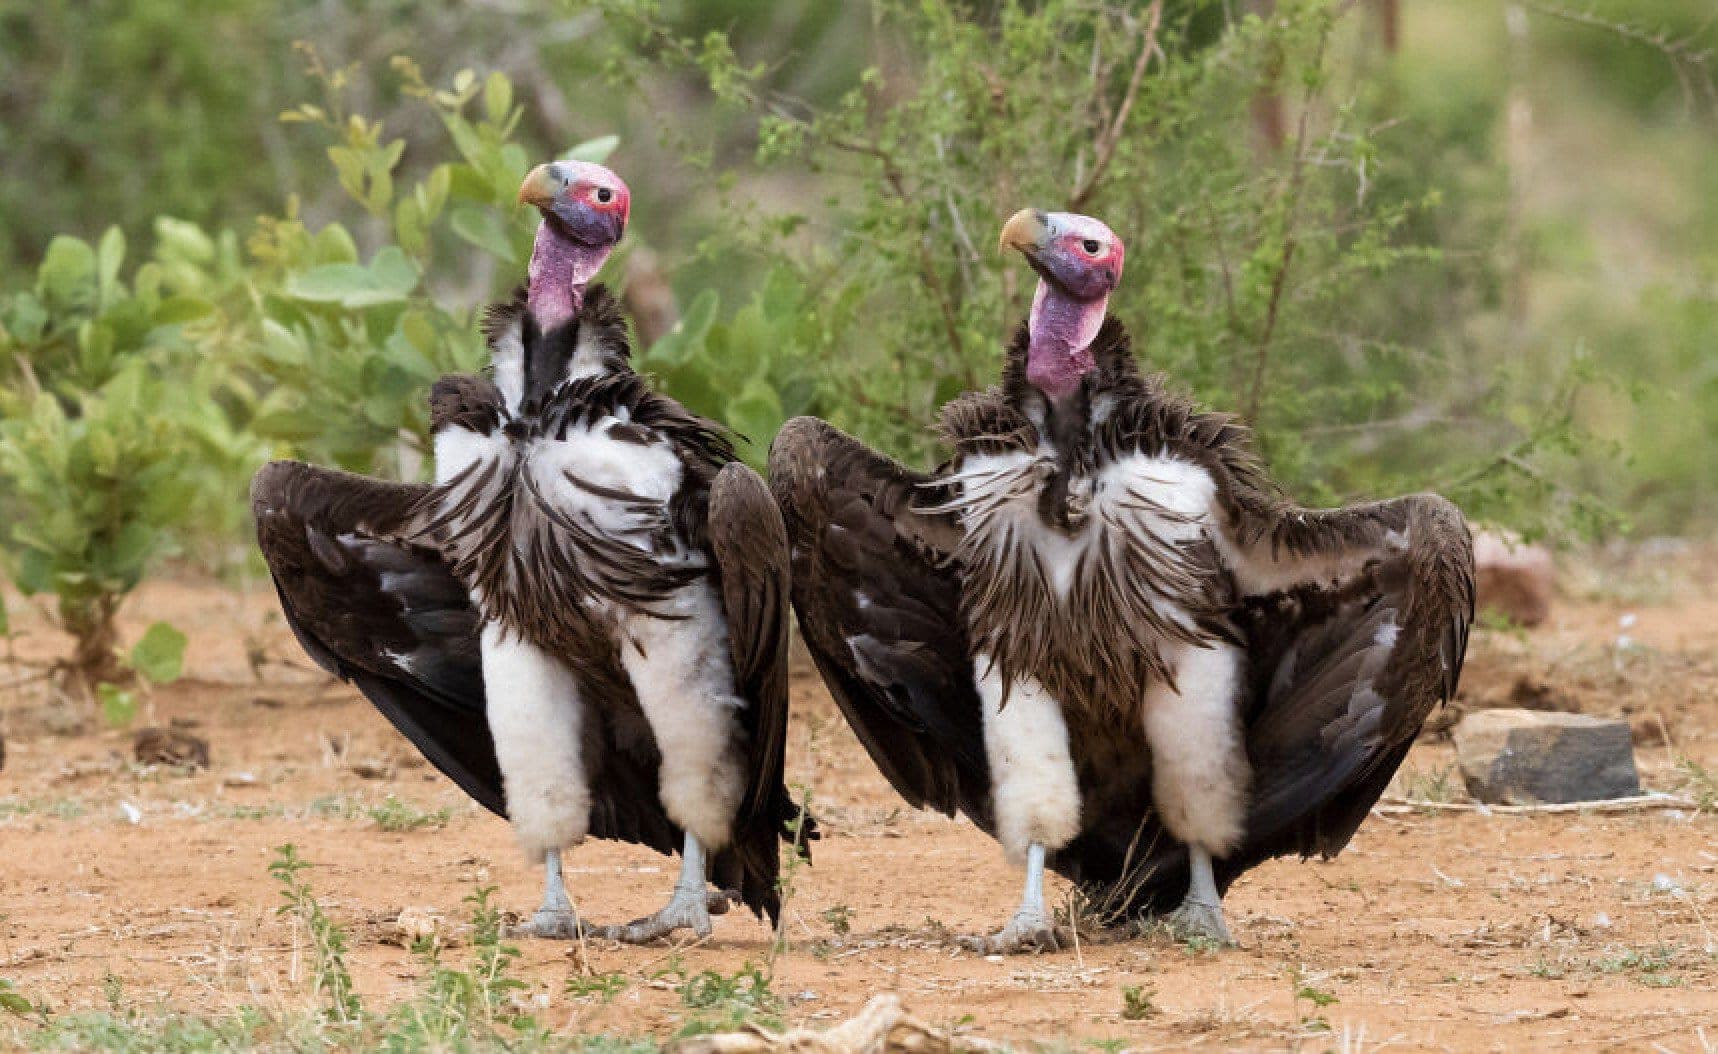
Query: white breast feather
point(651, 472)
point(1159, 496)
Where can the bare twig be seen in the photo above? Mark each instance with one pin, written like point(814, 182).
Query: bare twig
point(1394, 806)
point(1112, 135)
point(1690, 63)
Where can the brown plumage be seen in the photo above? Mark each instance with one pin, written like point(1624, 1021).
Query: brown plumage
point(1353, 621)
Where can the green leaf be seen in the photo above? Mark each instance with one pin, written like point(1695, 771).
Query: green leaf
point(390, 278)
point(12, 1002)
point(67, 274)
point(497, 97)
point(688, 334)
point(118, 706)
point(109, 255)
point(160, 655)
point(483, 228)
point(595, 150)
point(5, 618)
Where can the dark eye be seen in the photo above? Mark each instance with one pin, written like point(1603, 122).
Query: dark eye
point(1091, 246)
point(605, 195)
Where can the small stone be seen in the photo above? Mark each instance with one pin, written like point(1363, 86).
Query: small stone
point(414, 924)
point(1513, 578)
point(170, 746)
point(373, 768)
point(1528, 757)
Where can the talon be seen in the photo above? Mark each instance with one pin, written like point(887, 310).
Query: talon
point(549, 925)
point(684, 911)
point(1198, 919)
point(1024, 933)
point(719, 901)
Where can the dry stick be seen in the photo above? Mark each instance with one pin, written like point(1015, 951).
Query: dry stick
point(1297, 172)
point(1112, 135)
point(1394, 806)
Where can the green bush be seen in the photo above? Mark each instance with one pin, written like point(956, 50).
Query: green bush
point(1302, 285)
point(111, 439)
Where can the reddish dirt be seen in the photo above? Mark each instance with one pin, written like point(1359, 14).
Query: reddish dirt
point(1434, 930)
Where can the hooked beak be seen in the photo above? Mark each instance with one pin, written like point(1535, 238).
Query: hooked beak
point(541, 186)
point(1027, 230)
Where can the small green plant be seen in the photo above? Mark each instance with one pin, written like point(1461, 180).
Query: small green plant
point(1438, 785)
point(723, 1002)
point(1546, 969)
point(1698, 784)
point(839, 918)
point(1316, 996)
point(333, 980)
point(1137, 1002)
point(1199, 944)
point(793, 858)
point(1650, 966)
point(396, 816)
point(12, 1001)
point(604, 986)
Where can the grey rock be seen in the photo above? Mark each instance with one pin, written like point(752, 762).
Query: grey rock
point(1530, 757)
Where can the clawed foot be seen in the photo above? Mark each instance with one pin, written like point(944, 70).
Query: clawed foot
point(1027, 931)
point(685, 911)
point(1198, 920)
point(549, 925)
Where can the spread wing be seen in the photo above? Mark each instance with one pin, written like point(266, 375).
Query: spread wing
point(379, 610)
point(1356, 623)
point(1346, 671)
point(750, 546)
point(879, 610)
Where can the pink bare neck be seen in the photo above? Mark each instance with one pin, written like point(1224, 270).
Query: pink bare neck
point(560, 270)
point(1061, 330)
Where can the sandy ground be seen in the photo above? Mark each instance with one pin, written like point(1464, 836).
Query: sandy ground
point(1434, 930)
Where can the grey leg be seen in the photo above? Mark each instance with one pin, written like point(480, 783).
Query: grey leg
point(689, 908)
point(556, 919)
point(1031, 929)
point(1201, 912)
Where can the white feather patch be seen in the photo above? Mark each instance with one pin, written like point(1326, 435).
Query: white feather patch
point(536, 719)
point(1199, 765)
point(683, 671)
point(1034, 788)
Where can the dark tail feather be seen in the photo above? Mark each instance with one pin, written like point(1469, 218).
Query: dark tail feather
point(752, 863)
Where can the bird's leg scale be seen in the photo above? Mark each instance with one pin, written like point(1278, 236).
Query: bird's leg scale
point(1201, 911)
point(556, 919)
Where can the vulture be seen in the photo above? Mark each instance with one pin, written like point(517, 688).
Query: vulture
point(583, 621)
point(1100, 632)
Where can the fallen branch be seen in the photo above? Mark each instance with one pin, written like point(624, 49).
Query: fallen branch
point(1394, 806)
point(881, 1028)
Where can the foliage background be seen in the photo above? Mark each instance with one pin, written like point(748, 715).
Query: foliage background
point(1462, 245)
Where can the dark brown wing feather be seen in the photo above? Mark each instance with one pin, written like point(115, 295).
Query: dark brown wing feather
point(379, 610)
point(1341, 679)
point(749, 543)
point(880, 612)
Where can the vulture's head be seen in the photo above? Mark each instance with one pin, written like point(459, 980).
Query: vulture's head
point(580, 201)
point(1077, 255)
point(584, 207)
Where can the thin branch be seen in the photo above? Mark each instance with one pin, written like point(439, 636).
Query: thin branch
point(1694, 74)
point(1112, 135)
point(1391, 805)
point(1262, 350)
